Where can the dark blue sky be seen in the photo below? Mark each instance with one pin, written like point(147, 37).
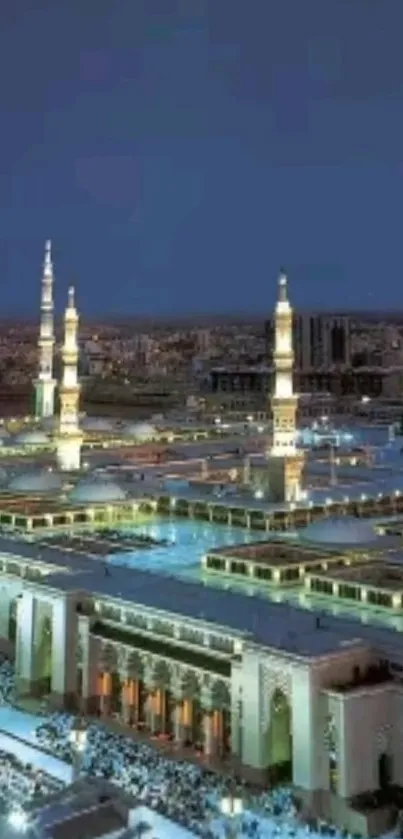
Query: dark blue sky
point(179, 151)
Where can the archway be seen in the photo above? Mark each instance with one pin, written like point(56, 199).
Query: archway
point(385, 771)
point(12, 621)
point(43, 656)
point(280, 737)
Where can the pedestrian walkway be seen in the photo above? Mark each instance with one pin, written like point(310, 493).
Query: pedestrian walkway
point(159, 825)
point(19, 723)
point(29, 754)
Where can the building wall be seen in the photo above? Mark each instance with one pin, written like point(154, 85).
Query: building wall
point(368, 726)
point(367, 722)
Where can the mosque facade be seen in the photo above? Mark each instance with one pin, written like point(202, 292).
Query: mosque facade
point(284, 693)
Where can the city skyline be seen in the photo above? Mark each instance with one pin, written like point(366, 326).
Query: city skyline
point(177, 158)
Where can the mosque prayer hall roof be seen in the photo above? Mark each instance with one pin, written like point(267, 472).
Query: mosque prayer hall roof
point(282, 627)
point(381, 575)
point(275, 552)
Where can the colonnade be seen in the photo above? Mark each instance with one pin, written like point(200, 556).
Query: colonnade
point(162, 712)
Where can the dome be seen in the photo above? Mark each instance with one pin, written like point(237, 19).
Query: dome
point(36, 481)
point(101, 425)
point(50, 423)
point(342, 530)
point(31, 438)
point(96, 492)
point(176, 485)
point(140, 430)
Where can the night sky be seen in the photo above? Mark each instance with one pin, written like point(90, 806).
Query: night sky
point(179, 151)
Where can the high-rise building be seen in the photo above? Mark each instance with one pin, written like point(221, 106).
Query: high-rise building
point(321, 341)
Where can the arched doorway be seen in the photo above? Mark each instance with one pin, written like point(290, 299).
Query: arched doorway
point(12, 621)
point(280, 737)
point(43, 656)
point(385, 771)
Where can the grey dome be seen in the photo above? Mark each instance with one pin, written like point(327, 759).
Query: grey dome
point(35, 481)
point(176, 485)
point(96, 492)
point(50, 423)
point(342, 530)
point(31, 438)
point(98, 424)
point(140, 430)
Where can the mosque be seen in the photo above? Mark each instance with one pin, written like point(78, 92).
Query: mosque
point(280, 651)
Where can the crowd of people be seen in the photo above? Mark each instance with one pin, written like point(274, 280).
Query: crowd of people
point(21, 784)
point(6, 681)
point(187, 794)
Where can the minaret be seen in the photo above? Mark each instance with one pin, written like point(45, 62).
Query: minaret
point(69, 436)
point(45, 383)
point(284, 459)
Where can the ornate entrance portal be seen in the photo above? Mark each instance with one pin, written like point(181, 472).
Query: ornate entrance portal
point(280, 737)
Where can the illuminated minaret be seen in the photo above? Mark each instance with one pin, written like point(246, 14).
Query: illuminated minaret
point(69, 436)
point(284, 459)
point(45, 383)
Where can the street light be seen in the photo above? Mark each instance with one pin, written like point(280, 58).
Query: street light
point(18, 820)
point(232, 807)
point(78, 740)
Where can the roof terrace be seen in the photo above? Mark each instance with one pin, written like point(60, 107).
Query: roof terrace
point(277, 562)
point(377, 583)
point(373, 676)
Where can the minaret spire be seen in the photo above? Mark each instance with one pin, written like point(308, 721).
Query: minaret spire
point(69, 438)
point(45, 383)
point(285, 461)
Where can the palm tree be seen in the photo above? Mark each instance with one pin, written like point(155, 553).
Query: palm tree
point(135, 672)
point(161, 675)
point(220, 696)
point(135, 666)
point(190, 685)
point(108, 659)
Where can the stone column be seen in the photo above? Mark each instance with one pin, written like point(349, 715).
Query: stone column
point(135, 694)
point(307, 732)
point(105, 703)
point(246, 471)
point(125, 699)
point(208, 734)
point(159, 708)
point(150, 710)
point(64, 640)
point(24, 653)
point(178, 723)
point(236, 730)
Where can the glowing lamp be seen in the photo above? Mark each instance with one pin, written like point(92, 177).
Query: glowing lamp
point(18, 820)
point(231, 806)
point(78, 735)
